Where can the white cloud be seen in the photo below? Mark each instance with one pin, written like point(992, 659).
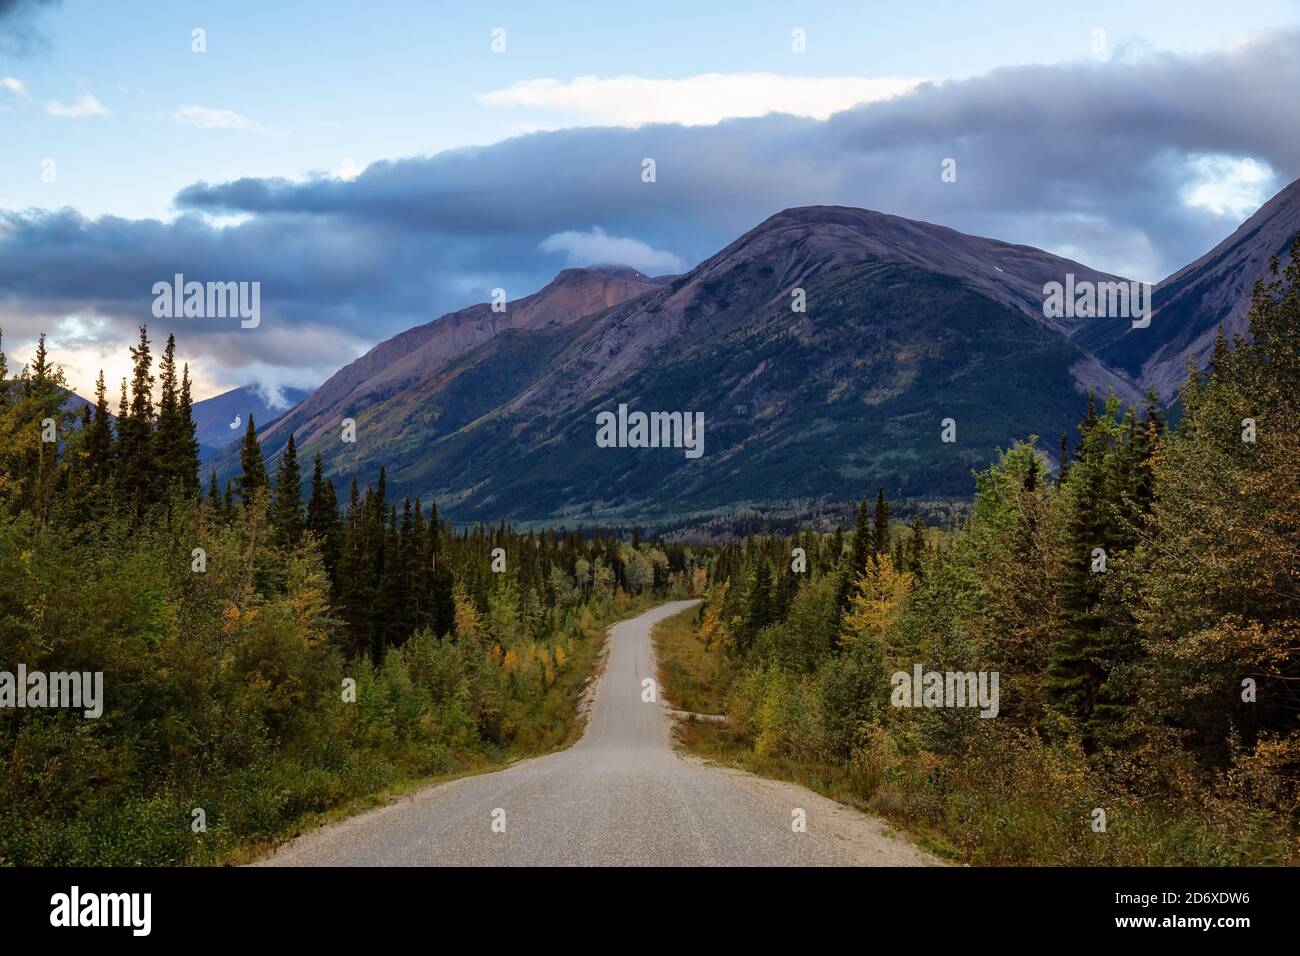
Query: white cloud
point(86, 106)
point(1229, 185)
point(349, 169)
point(597, 246)
point(698, 100)
point(206, 118)
point(13, 85)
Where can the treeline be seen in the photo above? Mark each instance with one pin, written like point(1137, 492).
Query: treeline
point(1141, 608)
point(264, 657)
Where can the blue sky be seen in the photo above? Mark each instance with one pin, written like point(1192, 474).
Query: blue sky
point(1146, 170)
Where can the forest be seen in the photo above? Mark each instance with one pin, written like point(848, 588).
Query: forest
point(1140, 606)
point(274, 653)
point(267, 660)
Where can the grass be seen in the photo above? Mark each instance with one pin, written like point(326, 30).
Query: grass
point(252, 850)
point(692, 676)
point(1013, 806)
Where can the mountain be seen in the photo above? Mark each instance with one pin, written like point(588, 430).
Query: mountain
point(1189, 306)
point(213, 416)
point(907, 324)
point(75, 403)
point(411, 372)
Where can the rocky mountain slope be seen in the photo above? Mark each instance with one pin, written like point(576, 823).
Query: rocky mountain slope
point(904, 325)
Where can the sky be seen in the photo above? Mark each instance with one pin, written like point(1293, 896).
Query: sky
point(373, 166)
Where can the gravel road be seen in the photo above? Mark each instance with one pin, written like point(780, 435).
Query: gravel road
point(619, 796)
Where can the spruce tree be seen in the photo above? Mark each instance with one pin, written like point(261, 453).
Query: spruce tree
point(914, 557)
point(99, 440)
point(850, 572)
point(214, 496)
point(187, 455)
point(1080, 657)
point(253, 476)
point(167, 437)
point(138, 468)
point(758, 608)
point(880, 526)
point(323, 520)
point(286, 513)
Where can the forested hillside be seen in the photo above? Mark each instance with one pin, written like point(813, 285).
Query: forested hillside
point(263, 661)
point(1141, 612)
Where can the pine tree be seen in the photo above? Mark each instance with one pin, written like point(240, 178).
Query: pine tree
point(167, 437)
point(214, 496)
point(442, 610)
point(138, 468)
point(1082, 656)
point(323, 520)
point(863, 543)
point(286, 513)
point(99, 440)
point(758, 608)
point(187, 456)
point(880, 525)
point(253, 477)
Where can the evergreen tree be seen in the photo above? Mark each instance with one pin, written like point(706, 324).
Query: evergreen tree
point(214, 496)
point(914, 558)
point(1081, 657)
point(851, 572)
point(323, 519)
point(138, 469)
point(187, 455)
point(253, 477)
point(99, 440)
point(168, 436)
point(286, 514)
point(880, 525)
point(442, 611)
point(758, 608)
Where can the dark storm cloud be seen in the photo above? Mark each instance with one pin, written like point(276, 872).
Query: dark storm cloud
point(1087, 159)
point(19, 32)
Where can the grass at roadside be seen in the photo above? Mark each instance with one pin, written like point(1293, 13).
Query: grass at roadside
point(693, 677)
point(691, 674)
point(1013, 802)
point(591, 658)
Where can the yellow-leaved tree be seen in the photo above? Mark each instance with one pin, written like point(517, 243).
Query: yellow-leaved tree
point(877, 604)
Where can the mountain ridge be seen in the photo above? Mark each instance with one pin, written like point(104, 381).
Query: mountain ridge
point(488, 412)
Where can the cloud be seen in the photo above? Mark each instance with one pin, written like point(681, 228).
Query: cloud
point(272, 395)
point(206, 118)
point(13, 85)
point(86, 106)
point(1101, 161)
point(19, 34)
point(597, 247)
point(347, 169)
point(13, 8)
point(698, 100)
point(1229, 186)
